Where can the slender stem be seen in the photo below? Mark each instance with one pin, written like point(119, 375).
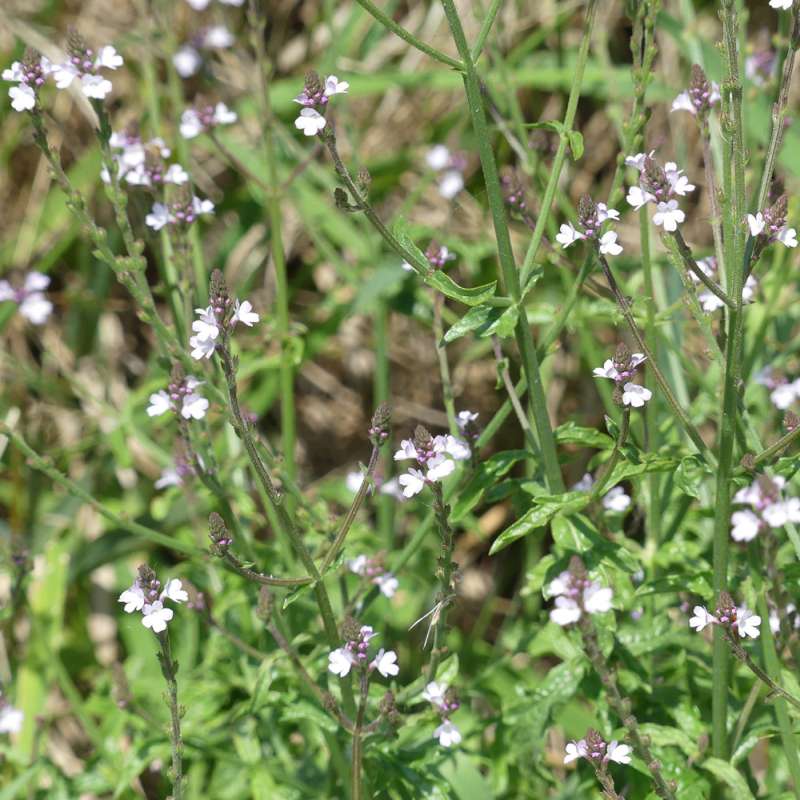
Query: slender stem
point(257, 577)
point(519, 411)
point(45, 466)
point(716, 211)
point(684, 251)
point(358, 742)
point(169, 669)
point(486, 27)
point(382, 392)
point(561, 153)
point(511, 278)
point(607, 782)
point(624, 428)
point(407, 36)
point(238, 164)
point(444, 366)
point(627, 312)
point(777, 447)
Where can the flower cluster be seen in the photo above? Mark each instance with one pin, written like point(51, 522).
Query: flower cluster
point(769, 226)
point(740, 621)
point(783, 392)
point(314, 98)
point(182, 468)
point(30, 298)
point(10, 718)
point(147, 596)
point(436, 457)
point(660, 186)
point(181, 397)
point(218, 318)
point(466, 422)
point(372, 569)
point(708, 300)
point(181, 212)
point(201, 119)
point(591, 217)
point(594, 749)
point(142, 163)
point(760, 66)
point(445, 702)
point(450, 167)
point(783, 5)
point(701, 95)
point(187, 59)
point(575, 594)
point(354, 653)
point(29, 75)
point(84, 66)
point(621, 369)
point(616, 500)
point(768, 509)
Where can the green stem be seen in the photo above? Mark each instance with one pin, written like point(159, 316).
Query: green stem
point(561, 153)
point(624, 428)
point(685, 254)
point(486, 27)
point(502, 367)
point(510, 276)
point(407, 36)
point(777, 447)
point(382, 391)
point(444, 366)
point(169, 669)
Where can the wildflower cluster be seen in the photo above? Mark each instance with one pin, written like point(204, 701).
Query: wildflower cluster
point(450, 168)
point(768, 509)
point(436, 457)
point(699, 98)
point(783, 392)
point(373, 570)
point(615, 500)
point(188, 58)
point(29, 75)
point(147, 596)
point(181, 213)
point(354, 654)
point(591, 217)
point(84, 66)
point(184, 466)
point(769, 226)
point(30, 298)
point(740, 621)
point(204, 118)
point(660, 186)
point(711, 302)
point(594, 749)
point(575, 594)
point(218, 319)
point(621, 369)
point(314, 99)
point(445, 702)
point(180, 397)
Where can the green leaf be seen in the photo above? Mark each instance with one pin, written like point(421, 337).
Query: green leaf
point(575, 140)
point(485, 476)
point(729, 775)
point(543, 510)
point(504, 325)
point(301, 709)
point(472, 296)
point(474, 318)
point(570, 433)
point(690, 474)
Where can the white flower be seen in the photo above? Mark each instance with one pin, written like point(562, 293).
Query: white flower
point(133, 598)
point(745, 526)
point(201, 207)
point(559, 585)
point(456, 448)
point(463, 418)
point(756, 223)
point(447, 734)
point(597, 599)
point(23, 97)
point(620, 753)
point(710, 302)
point(392, 488)
point(635, 395)
point(217, 37)
point(340, 661)
point(616, 500)
point(783, 396)
point(223, 115)
point(413, 482)
point(587, 481)
point(386, 663)
point(156, 617)
point(778, 514)
point(439, 467)
point(435, 693)
point(160, 403)
point(450, 184)
point(334, 86)
point(638, 159)
point(637, 197)
point(575, 750)
point(604, 213)
point(406, 451)
point(608, 244)
point(36, 308)
point(194, 406)
point(387, 583)
point(679, 183)
point(608, 370)
point(10, 719)
point(109, 58)
point(787, 237)
point(187, 61)
point(190, 125)
point(701, 618)
point(174, 591)
point(438, 157)
point(176, 174)
point(783, 5)
point(359, 563)
point(206, 326)
point(567, 235)
point(243, 312)
point(566, 611)
point(169, 477)
point(311, 122)
point(747, 623)
point(202, 348)
point(158, 217)
point(683, 103)
point(669, 215)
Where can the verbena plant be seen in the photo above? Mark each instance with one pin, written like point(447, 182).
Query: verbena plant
point(336, 637)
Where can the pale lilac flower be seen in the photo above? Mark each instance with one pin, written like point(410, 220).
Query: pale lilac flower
point(30, 299)
point(158, 217)
point(340, 662)
point(202, 348)
point(217, 37)
point(746, 525)
point(387, 584)
point(701, 618)
point(566, 611)
point(619, 753)
point(85, 67)
point(747, 623)
point(591, 217)
point(311, 122)
point(133, 597)
point(587, 481)
point(155, 616)
point(608, 244)
point(456, 448)
point(637, 197)
point(447, 734)
point(760, 66)
point(386, 663)
point(635, 395)
point(701, 95)
point(435, 693)
point(11, 718)
point(29, 75)
point(334, 86)
point(668, 215)
point(616, 500)
point(450, 184)
point(170, 476)
point(187, 61)
point(194, 406)
point(160, 403)
point(243, 312)
point(660, 186)
point(413, 482)
point(597, 599)
point(575, 593)
point(637, 161)
point(575, 750)
point(567, 235)
point(406, 451)
point(463, 418)
point(174, 591)
point(438, 157)
point(195, 121)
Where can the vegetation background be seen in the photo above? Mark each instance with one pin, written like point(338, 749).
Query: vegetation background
point(86, 676)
